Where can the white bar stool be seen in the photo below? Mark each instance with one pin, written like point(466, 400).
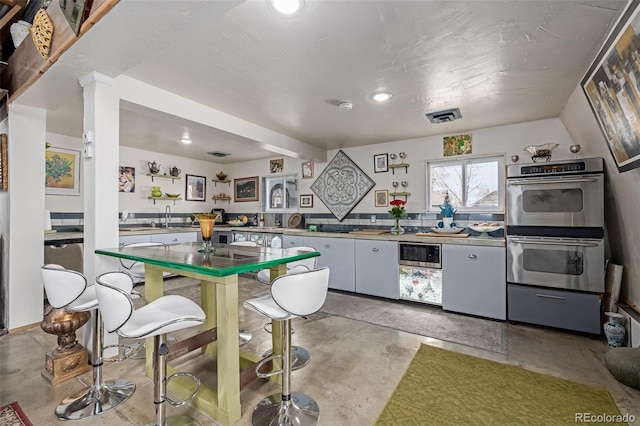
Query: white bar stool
point(69, 289)
point(299, 355)
point(155, 319)
point(291, 295)
point(244, 335)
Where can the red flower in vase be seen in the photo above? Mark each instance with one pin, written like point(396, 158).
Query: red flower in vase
point(397, 209)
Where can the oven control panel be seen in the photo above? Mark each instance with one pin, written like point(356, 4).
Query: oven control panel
point(567, 167)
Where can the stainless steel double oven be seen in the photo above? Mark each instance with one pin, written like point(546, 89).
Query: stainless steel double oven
point(555, 248)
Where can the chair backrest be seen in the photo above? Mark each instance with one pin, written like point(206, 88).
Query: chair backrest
point(133, 266)
point(303, 293)
point(310, 263)
point(62, 286)
point(115, 303)
point(244, 243)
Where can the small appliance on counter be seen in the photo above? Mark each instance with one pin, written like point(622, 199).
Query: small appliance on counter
point(220, 213)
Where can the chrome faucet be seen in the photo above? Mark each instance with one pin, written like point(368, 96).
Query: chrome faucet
point(167, 216)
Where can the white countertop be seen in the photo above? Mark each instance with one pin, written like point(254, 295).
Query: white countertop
point(493, 242)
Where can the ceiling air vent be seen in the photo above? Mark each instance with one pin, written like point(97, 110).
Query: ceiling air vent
point(444, 116)
point(218, 154)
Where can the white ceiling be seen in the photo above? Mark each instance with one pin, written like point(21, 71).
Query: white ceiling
point(500, 62)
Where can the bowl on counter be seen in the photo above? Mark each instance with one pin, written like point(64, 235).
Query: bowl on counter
point(447, 230)
point(485, 229)
point(236, 223)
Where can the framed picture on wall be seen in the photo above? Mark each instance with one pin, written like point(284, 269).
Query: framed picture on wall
point(307, 170)
point(62, 171)
point(306, 200)
point(612, 88)
point(196, 188)
point(381, 163)
point(127, 179)
point(246, 189)
point(381, 197)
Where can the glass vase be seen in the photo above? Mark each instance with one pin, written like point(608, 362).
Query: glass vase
point(207, 221)
point(397, 229)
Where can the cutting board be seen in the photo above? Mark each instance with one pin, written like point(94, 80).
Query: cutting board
point(135, 229)
point(370, 231)
point(434, 234)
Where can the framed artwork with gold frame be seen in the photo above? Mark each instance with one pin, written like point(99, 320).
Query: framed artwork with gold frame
point(62, 171)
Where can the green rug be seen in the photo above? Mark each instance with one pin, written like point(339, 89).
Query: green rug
point(441, 387)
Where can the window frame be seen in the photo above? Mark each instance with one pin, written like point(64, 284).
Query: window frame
point(499, 158)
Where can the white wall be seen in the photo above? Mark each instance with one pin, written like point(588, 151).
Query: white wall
point(507, 140)
point(622, 199)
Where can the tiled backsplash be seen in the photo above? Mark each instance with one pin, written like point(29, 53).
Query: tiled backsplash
point(412, 222)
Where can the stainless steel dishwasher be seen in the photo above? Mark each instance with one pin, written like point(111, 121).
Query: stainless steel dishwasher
point(68, 253)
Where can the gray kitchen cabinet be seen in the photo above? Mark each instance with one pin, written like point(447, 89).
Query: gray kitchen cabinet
point(338, 254)
point(377, 268)
point(289, 241)
point(175, 237)
point(130, 239)
point(474, 280)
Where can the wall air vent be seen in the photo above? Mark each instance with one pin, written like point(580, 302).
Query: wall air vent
point(218, 154)
point(444, 116)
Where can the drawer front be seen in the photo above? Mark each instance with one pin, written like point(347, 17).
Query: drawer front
point(289, 241)
point(554, 308)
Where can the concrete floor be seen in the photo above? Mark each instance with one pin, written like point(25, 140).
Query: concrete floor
point(354, 369)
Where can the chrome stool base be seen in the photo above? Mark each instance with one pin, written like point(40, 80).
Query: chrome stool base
point(178, 421)
point(299, 357)
point(94, 400)
point(300, 410)
point(244, 336)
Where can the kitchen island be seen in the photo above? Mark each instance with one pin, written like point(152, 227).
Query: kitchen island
point(218, 274)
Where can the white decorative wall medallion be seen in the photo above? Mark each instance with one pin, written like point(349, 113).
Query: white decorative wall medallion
point(341, 185)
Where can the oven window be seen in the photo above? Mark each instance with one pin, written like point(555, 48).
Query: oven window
point(565, 262)
point(553, 200)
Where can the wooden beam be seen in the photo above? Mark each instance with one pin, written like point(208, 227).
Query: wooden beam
point(26, 65)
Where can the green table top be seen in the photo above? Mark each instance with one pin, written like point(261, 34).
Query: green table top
point(225, 260)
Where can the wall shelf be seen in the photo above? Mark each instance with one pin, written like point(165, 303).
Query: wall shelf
point(153, 175)
point(400, 194)
point(165, 198)
point(393, 167)
point(227, 199)
point(217, 181)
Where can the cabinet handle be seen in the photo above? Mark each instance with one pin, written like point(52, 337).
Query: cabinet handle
point(375, 249)
point(292, 243)
point(472, 256)
point(327, 246)
point(175, 240)
point(548, 296)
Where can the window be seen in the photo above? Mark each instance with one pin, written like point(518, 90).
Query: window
point(280, 194)
point(473, 184)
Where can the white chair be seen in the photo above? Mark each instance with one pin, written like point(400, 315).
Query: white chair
point(264, 275)
point(136, 268)
point(155, 319)
point(300, 355)
point(244, 335)
point(291, 295)
point(68, 289)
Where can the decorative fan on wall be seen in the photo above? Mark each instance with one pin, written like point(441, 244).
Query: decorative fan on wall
point(341, 185)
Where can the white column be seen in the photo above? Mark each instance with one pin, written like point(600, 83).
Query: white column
point(25, 243)
point(100, 155)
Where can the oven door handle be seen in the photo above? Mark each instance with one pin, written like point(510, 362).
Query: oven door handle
point(543, 180)
point(553, 242)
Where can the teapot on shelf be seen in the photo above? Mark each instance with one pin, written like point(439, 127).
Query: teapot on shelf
point(153, 167)
point(174, 171)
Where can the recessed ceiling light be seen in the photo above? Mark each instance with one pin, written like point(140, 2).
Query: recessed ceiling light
point(186, 137)
point(286, 7)
point(381, 96)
